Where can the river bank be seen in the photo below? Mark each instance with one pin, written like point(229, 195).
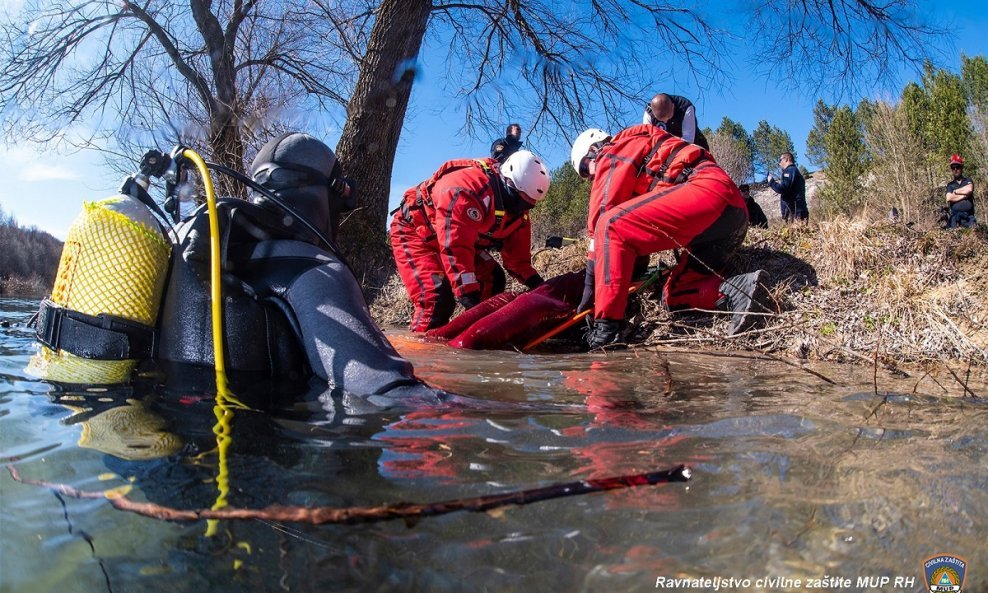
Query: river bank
point(24, 287)
point(844, 290)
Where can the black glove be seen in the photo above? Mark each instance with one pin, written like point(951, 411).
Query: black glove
point(554, 242)
point(588, 288)
point(534, 281)
point(470, 299)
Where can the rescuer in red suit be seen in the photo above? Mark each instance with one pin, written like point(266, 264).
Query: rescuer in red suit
point(653, 191)
point(446, 227)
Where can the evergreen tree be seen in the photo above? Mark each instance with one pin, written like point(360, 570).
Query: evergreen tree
point(733, 148)
point(563, 210)
point(816, 149)
point(864, 113)
point(769, 142)
point(974, 74)
point(915, 104)
point(735, 131)
point(947, 127)
point(846, 159)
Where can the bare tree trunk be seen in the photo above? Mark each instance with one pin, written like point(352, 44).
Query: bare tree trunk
point(370, 137)
point(227, 147)
point(224, 136)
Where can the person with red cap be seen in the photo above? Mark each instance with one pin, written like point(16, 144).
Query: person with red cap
point(960, 196)
point(446, 227)
point(653, 191)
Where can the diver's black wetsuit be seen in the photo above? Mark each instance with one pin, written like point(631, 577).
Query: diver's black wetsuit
point(290, 308)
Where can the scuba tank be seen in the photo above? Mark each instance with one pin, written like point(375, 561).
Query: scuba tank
point(101, 316)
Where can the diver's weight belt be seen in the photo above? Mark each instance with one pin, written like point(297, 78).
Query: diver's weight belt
point(99, 337)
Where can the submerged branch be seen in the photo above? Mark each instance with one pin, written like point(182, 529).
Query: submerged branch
point(386, 512)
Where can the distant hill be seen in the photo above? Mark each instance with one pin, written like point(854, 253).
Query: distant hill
point(28, 258)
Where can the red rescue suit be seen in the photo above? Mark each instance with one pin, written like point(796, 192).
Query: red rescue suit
point(443, 233)
point(653, 191)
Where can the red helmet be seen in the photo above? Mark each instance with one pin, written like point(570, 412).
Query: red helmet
point(956, 159)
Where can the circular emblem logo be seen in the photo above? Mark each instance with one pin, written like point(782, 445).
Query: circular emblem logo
point(474, 214)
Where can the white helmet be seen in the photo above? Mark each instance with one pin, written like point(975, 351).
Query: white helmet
point(527, 174)
point(582, 144)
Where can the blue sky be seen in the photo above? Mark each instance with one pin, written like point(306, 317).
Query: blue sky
point(46, 189)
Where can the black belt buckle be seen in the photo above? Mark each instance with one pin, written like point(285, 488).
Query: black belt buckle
point(141, 342)
point(684, 174)
point(49, 327)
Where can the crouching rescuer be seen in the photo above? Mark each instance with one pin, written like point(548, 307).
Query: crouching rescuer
point(653, 191)
point(291, 307)
point(443, 233)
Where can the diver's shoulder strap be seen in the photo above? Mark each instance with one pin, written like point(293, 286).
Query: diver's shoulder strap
point(99, 337)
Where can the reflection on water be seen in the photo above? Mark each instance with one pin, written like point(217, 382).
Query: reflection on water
point(793, 477)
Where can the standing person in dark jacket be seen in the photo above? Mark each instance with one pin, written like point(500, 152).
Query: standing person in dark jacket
point(960, 195)
point(756, 216)
point(502, 148)
point(677, 116)
point(791, 189)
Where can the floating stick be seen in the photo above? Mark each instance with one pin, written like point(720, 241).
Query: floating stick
point(386, 512)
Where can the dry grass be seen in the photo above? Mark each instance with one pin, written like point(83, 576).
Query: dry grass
point(553, 262)
point(844, 290)
point(391, 306)
point(24, 287)
point(882, 290)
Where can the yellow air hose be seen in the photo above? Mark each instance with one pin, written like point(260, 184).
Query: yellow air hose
point(216, 293)
point(225, 400)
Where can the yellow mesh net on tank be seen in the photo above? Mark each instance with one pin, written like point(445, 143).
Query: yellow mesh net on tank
point(110, 264)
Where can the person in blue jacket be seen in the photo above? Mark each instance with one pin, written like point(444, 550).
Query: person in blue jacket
point(791, 189)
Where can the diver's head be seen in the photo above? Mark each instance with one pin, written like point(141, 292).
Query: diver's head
point(304, 173)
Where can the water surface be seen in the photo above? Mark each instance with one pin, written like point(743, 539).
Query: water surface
point(793, 476)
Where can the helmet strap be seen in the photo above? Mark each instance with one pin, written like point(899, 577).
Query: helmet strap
point(513, 199)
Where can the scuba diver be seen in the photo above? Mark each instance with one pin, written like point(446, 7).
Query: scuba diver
point(291, 307)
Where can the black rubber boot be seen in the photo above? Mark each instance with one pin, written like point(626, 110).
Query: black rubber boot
point(745, 294)
point(607, 332)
